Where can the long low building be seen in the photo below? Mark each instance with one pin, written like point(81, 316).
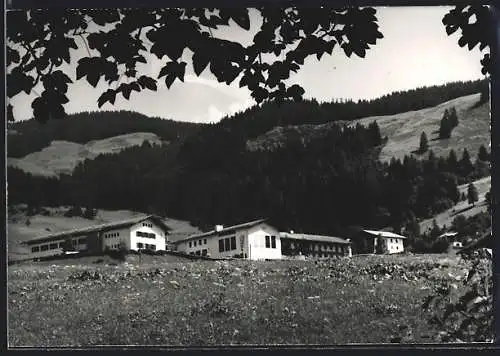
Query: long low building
point(319, 246)
point(145, 232)
point(258, 240)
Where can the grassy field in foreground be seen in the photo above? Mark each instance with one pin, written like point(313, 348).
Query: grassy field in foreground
point(365, 299)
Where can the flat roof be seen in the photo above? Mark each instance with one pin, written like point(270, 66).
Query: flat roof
point(95, 228)
point(310, 237)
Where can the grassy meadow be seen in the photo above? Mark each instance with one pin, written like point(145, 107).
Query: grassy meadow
point(162, 300)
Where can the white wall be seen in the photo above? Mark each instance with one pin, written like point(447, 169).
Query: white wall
point(394, 245)
point(253, 244)
point(158, 241)
point(257, 243)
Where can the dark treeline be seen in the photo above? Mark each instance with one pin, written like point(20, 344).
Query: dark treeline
point(324, 187)
point(87, 126)
point(256, 120)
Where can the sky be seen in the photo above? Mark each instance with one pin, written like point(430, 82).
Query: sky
point(414, 52)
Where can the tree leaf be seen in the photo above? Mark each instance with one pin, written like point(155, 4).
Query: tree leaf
point(200, 62)
point(169, 80)
point(108, 95)
point(147, 82)
point(240, 16)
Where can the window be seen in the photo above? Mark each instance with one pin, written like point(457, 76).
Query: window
point(53, 246)
point(198, 253)
point(44, 247)
point(199, 242)
point(227, 244)
point(61, 244)
point(190, 243)
point(205, 241)
point(83, 240)
point(145, 234)
point(191, 253)
point(140, 245)
point(268, 241)
point(233, 243)
point(273, 242)
point(204, 252)
point(221, 245)
point(35, 249)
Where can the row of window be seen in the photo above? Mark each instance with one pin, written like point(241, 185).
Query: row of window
point(316, 247)
point(146, 235)
point(394, 240)
point(203, 252)
point(227, 244)
point(111, 234)
point(193, 243)
point(330, 254)
point(140, 245)
point(147, 224)
point(56, 245)
point(270, 241)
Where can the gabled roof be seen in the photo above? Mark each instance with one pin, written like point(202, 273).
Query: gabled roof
point(319, 238)
point(102, 227)
point(224, 231)
point(386, 234)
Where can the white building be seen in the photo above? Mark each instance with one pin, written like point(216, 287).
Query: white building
point(146, 232)
point(391, 242)
point(255, 240)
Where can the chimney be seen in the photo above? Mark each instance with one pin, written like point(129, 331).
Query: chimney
point(219, 227)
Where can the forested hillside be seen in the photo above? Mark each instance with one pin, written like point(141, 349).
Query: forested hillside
point(324, 185)
point(30, 136)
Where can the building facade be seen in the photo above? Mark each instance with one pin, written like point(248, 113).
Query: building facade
point(147, 232)
point(382, 242)
point(319, 246)
point(255, 240)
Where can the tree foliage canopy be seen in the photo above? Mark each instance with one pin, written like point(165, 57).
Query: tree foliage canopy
point(39, 45)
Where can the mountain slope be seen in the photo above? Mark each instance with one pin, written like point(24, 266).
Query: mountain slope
point(61, 157)
point(482, 185)
point(403, 130)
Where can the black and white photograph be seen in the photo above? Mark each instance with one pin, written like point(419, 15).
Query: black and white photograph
point(242, 177)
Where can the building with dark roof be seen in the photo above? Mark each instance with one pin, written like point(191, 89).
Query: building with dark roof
point(320, 246)
point(144, 232)
point(258, 240)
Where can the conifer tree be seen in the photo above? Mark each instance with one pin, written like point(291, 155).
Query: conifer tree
point(472, 195)
point(424, 144)
point(453, 117)
point(483, 154)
